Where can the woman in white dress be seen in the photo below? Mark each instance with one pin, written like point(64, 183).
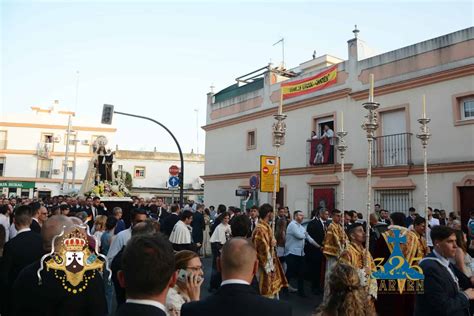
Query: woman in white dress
point(188, 286)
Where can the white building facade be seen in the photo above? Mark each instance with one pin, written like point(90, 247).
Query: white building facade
point(240, 119)
point(150, 173)
point(33, 151)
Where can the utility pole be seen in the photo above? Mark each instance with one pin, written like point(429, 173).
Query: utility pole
point(197, 130)
point(74, 163)
point(66, 156)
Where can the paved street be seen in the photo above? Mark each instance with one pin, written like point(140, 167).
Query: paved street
point(301, 306)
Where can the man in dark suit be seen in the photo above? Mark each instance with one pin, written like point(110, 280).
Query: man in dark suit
point(236, 297)
point(171, 220)
point(314, 256)
point(198, 226)
point(148, 271)
point(98, 208)
point(385, 217)
point(22, 250)
point(35, 215)
point(411, 216)
point(443, 283)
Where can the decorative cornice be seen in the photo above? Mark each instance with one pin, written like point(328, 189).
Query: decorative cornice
point(160, 156)
point(384, 172)
point(33, 153)
point(63, 127)
point(339, 94)
point(403, 171)
point(416, 82)
point(322, 180)
point(41, 180)
point(316, 170)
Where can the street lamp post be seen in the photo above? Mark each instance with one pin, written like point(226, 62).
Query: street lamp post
point(107, 113)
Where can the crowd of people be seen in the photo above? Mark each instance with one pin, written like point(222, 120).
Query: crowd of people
point(152, 261)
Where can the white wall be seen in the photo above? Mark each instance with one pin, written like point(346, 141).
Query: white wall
point(157, 174)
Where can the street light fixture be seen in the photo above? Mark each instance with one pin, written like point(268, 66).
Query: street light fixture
point(107, 115)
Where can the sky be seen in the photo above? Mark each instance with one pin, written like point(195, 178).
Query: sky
point(159, 59)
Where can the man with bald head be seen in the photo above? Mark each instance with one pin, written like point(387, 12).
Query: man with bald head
point(235, 297)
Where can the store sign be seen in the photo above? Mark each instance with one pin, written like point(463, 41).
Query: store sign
point(17, 184)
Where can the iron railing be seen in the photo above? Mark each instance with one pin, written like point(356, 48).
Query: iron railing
point(394, 200)
point(392, 150)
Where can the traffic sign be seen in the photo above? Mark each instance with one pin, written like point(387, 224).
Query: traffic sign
point(269, 165)
point(253, 182)
point(173, 182)
point(174, 170)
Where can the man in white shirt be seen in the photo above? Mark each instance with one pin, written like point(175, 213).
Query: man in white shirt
point(296, 235)
point(5, 221)
point(432, 222)
point(329, 134)
point(124, 236)
point(148, 272)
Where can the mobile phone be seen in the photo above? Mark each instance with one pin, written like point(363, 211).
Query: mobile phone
point(182, 275)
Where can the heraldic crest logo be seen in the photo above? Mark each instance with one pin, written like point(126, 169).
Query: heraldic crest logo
point(72, 261)
point(397, 270)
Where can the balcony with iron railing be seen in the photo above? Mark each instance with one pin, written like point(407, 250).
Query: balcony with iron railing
point(392, 150)
point(43, 150)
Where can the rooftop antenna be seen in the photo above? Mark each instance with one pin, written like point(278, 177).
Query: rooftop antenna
point(314, 54)
point(355, 31)
point(282, 41)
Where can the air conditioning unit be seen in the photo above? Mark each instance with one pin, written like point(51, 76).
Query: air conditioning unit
point(56, 171)
point(85, 142)
point(56, 139)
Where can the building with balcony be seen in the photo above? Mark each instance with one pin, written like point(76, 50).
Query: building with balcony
point(33, 151)
point(240, 119)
